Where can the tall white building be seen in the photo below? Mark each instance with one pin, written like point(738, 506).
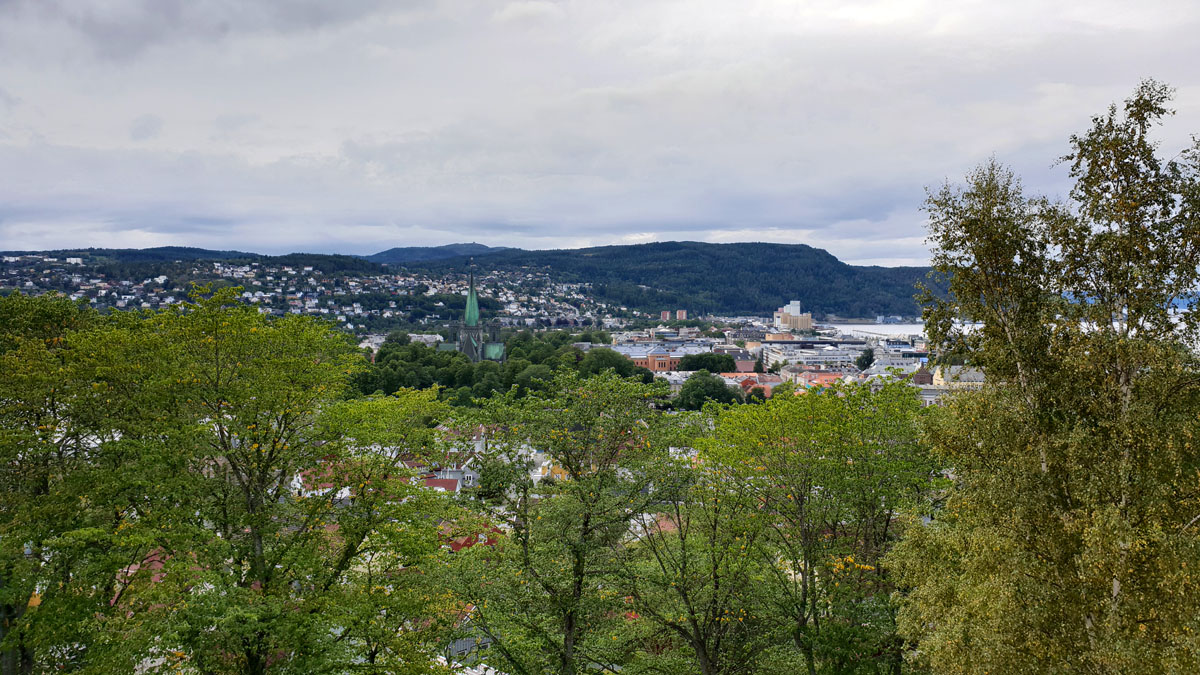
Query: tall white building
point(789, 317)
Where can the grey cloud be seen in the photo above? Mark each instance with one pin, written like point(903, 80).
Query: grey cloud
point(545, 124)
point(528, 11)
point(124, 28)
point(145, 127)
point(7, 100)
point(233, 122)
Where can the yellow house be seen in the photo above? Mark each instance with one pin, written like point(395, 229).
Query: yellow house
point(957, 377)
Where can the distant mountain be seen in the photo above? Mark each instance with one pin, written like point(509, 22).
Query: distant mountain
point(702, 278)
point(131, 262)
point(330, 263)
point(137, 255)
point(718, 278)
point(410, 254)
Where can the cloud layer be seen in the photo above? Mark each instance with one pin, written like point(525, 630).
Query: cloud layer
point(362, 124)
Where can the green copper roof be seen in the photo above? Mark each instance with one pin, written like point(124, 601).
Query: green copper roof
point(471, 316)
point(494, 351)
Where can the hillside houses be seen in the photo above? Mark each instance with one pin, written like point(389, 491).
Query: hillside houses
point(359, 302)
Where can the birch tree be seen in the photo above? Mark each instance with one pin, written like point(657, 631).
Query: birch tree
point(1068, 541)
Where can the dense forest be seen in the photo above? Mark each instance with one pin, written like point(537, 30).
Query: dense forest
point(208, 489)
point(719, 278)
point(410, 254)
point(533, 359)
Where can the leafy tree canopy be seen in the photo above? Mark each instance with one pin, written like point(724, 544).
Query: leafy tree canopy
point(1068, 536)
point(713, 363)
point(702, 387)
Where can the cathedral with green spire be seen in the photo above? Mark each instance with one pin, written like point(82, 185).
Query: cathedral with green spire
point(471, 336)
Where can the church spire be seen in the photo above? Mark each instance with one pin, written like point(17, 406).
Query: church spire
point(471, 315)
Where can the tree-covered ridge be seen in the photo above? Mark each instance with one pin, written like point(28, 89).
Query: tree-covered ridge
point(719, 278)
point(409, 254)
point(136, 268)
point(136, 255)
point(703, 278)
point(176, 261)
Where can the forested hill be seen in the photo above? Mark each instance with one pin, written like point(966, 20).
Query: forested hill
point(409, 254)
point(157, 254)
point(127, 263)
point(722, 278)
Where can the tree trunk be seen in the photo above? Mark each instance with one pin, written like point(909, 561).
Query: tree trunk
point(804, 644)
point(16, 660)
point(256, 664)
point(568, 656)
point(8, 658)
point(26, 660)
point(706, 665)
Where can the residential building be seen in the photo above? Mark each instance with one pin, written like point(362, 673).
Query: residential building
point(958, 377)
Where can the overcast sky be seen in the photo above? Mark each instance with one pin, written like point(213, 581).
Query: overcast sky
point(352, 126)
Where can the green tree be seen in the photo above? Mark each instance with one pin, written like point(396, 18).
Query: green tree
point(597, 360)
point(1067, 540)
point(387, 539)
point(692, 574)
point(44, 446)
point(534, 378)
point(211, 502)
point(702, 387)
point(831, 470)
point(298, 493)
point(865, 359)
point(713, 363)
point(398, 337)
point(543, 594)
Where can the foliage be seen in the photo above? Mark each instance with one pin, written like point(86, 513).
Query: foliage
point(713, 363)
point(1067, 541)
point(200, 490)
point(702, 387)
point(531, 360)
point(865, 359)
point(42, 452)
point(691, 574)
point(831, 470)
point(541, 594)
point(185, 490)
